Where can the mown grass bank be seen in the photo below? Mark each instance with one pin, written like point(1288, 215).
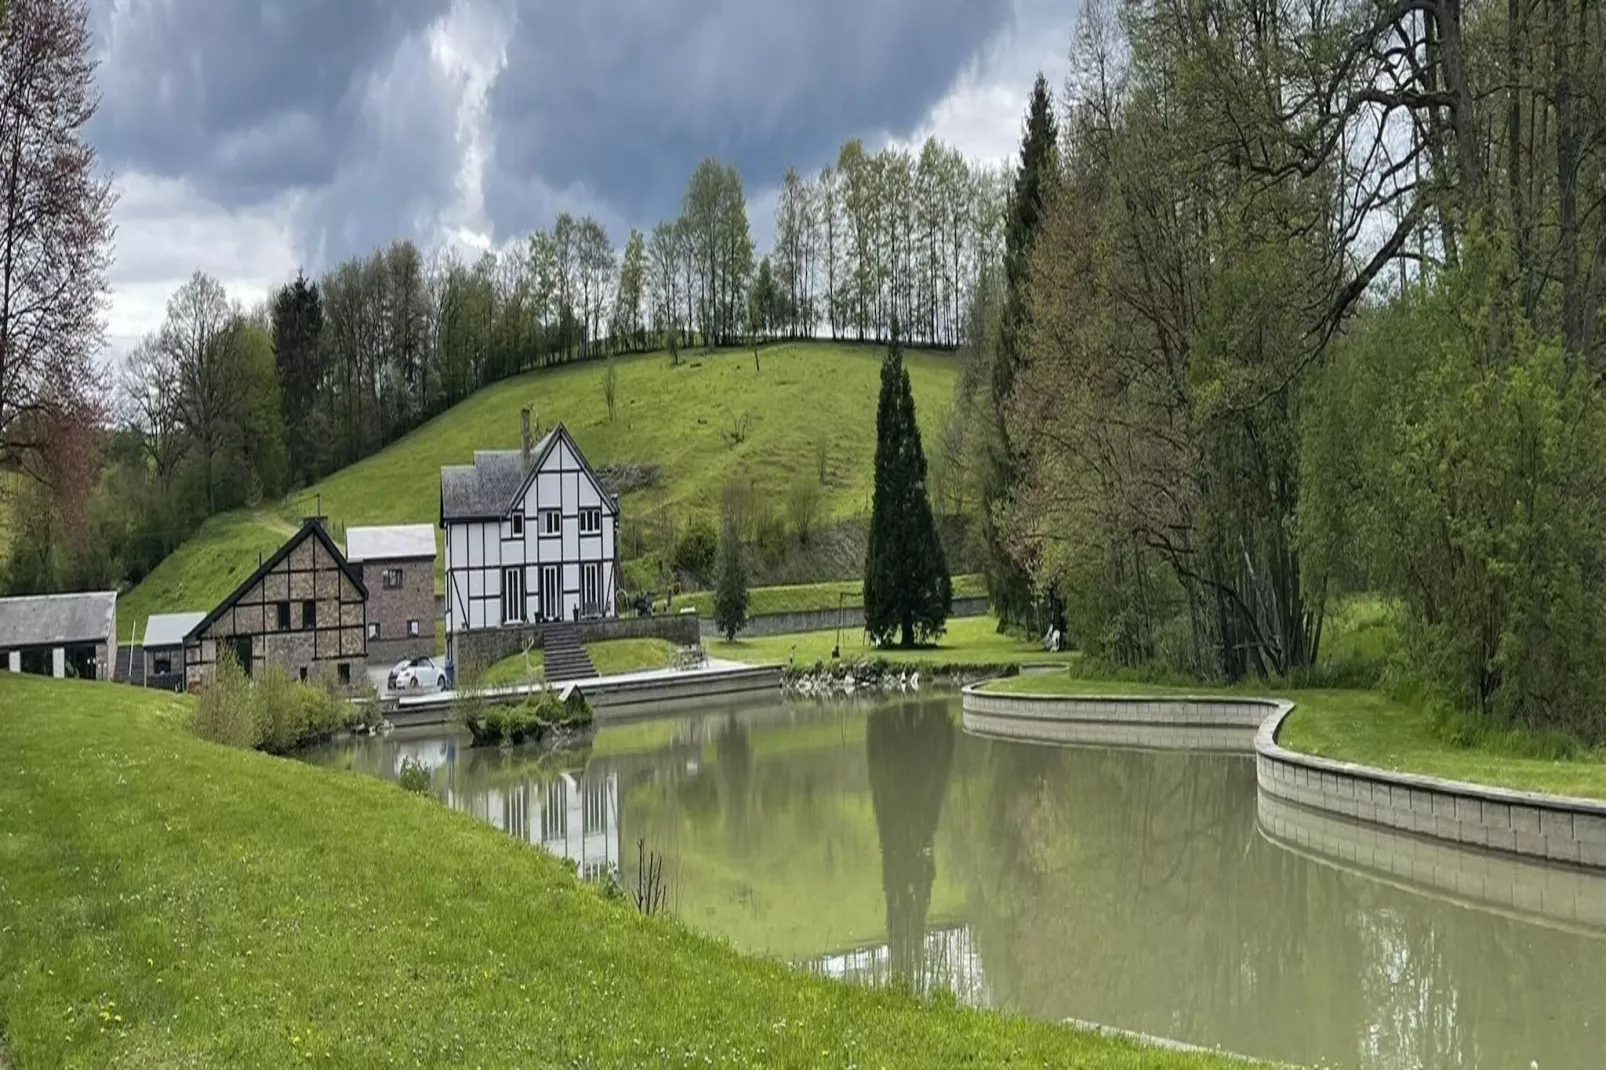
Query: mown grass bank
point(610, 657)
point(1370, 727)
point(969, 641)
point(167, 902)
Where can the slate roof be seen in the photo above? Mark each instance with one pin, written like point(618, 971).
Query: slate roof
point(394, 543)
point(486, 488)
point(169, 629)
point(55, 619)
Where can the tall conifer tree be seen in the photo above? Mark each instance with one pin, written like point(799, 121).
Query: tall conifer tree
point(907, 589)
point(1007, 583)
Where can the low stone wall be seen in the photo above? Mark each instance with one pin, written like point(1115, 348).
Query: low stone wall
point(487, 646)
point(820, 620)
point(1183, 723)
point(1546, 828)
point(1527, 824)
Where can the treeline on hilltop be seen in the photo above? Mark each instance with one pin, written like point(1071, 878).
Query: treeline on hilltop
point(1304, 301)
point(225, 406)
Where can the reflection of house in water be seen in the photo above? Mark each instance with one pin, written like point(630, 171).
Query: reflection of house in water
point(573, 817)
point(949, 962)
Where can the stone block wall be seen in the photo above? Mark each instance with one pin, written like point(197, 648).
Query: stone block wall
point(392, 608)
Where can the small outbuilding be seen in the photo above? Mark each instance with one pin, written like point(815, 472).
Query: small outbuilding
point(60, 635)
point(397, 565)
point(162, 652)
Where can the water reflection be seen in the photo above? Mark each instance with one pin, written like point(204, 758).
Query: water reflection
point(1130, 888)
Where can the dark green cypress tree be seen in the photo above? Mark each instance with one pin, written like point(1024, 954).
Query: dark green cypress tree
point(730, 583)
point(1007, 583)
point(907, 590)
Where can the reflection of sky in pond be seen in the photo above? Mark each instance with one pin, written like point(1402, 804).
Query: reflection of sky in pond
point(1141, 890)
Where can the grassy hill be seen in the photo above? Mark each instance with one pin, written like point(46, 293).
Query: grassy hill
point(679, 419)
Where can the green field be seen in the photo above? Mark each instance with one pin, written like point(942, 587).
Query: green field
point(169, 902)
point(971, 641)
point(675, 418)
point(1373, 729)
point(808, 597)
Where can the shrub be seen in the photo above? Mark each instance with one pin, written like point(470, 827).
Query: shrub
point(697, 550)
point(223, 711)
point(415, 776)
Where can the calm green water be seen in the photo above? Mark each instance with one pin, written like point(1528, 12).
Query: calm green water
point(1135, 889)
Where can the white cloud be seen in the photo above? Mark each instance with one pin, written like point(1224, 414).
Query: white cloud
point(166, 232)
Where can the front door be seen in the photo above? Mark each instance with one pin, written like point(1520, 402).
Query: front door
point(550, 592)
point(591, 587)
point(512, 595)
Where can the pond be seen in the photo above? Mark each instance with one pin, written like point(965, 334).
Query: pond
point(1137, 889)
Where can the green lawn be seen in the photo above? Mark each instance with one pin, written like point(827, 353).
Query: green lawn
point(971, 641)
point(675, 418)
point(168, 902)
point(807, 597)
point(1373, 729)
point(610, 657)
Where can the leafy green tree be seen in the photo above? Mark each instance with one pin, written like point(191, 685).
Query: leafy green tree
point(730, 585)
point(907, 590)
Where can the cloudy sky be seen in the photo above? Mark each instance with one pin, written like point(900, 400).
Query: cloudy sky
point(248, 139)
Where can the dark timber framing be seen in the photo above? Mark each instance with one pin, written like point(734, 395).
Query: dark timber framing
point(322, 577)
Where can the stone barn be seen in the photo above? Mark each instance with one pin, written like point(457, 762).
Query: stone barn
point(305, 608)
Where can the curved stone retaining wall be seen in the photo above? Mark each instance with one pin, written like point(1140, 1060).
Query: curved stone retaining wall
point(1184, 723)
point(1544, 827)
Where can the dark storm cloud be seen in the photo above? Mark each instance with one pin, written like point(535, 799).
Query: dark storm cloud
point(243, 99)
point(623, 97)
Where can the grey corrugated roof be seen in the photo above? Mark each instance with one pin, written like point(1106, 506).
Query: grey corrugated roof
point(486, 487)
point(169, 629)
point(390, 543)
point(51, 619)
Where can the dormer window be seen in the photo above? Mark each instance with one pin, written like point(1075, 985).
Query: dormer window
point(518, 525)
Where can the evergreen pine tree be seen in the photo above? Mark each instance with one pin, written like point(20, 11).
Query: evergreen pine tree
point(907, 589)
point(730, 583)
point(1007, 583)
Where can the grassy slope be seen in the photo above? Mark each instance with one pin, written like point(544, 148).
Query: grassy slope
point(804, 597)
point(1371, 728)
point(670, 417)
point(970, 641)
point(167, 902)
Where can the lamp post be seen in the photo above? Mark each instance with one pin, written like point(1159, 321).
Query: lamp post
point(836, 651)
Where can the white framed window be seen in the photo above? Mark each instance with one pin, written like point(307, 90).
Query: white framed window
point(373, 630)
point(517, 523)
point(412, 629)
point(551, 522)
point(590, 521)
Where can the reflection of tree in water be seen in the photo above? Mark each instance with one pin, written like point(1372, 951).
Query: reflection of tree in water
point(910, 748)
point(733, 751)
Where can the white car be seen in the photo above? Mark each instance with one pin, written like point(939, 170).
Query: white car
point(417, 674)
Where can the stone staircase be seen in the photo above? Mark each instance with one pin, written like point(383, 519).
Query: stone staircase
point(565, 658)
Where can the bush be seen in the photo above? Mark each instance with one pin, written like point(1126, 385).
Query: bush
point(697, 550)
point(527, 722)
point(415, 777)
point(223, 711)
